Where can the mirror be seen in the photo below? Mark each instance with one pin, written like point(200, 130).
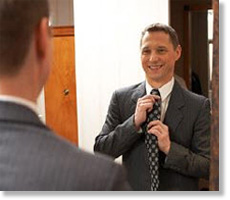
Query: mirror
point(190, 18)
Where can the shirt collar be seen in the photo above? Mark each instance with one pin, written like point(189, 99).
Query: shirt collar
point(164, 90)
point(20, 101)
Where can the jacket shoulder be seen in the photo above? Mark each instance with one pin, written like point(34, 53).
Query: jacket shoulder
point(129, 88)
point(189, 95)
point(193, 96)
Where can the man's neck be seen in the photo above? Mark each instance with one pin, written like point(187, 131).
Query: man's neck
point(17, 88)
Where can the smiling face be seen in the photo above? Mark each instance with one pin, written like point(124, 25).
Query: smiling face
point(158, 57)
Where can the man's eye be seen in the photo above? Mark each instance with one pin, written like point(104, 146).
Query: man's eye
point(146, 51)
point(161, 51)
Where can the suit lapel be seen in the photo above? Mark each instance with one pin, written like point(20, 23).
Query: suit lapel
point(139, 92)
point(174, 113)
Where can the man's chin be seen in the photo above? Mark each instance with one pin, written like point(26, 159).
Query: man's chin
point(155, 78)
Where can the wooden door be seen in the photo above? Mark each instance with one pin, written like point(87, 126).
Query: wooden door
point(60, 90)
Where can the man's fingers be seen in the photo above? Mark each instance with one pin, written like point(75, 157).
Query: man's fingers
point(157, 123)
point(150, 96)
point(147, 102)
point(157, 127)
point(145, 105)
point(154, 132)
point(156, 96)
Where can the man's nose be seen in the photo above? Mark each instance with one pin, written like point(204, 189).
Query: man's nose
point(154, 57)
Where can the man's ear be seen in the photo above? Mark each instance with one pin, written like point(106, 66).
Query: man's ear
point(42, 38)
point(178, 52)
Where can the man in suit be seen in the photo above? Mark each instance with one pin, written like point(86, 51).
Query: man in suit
point(183, 131)
point(32, 157)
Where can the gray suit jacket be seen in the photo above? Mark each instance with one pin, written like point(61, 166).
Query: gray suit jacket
point(188, 119)
point(32, 157)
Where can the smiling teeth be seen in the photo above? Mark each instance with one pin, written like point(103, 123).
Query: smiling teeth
point(155, 66)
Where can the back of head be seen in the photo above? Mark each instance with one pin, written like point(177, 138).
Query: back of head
point(18, 20)
point(159, 27)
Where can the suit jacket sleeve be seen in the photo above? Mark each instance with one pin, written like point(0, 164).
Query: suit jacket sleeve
point(117, 136)
point(195, 160)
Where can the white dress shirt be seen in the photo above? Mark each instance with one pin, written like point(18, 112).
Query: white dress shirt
point(21, 101)
point(165, 92)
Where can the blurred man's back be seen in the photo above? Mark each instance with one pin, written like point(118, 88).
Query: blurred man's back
point(33, 158)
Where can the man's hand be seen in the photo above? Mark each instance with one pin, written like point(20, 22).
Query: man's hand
point(161, 131)
point(144, 105)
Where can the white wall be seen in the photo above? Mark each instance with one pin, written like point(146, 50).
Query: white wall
point(107, 34)
point(61, 12)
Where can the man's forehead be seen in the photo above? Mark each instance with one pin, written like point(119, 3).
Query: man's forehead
point(158, 38)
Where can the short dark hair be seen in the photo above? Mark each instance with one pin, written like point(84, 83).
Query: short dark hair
point(162, 28)
point(18, 20)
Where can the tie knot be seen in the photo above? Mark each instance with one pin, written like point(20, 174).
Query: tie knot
point(155, 92)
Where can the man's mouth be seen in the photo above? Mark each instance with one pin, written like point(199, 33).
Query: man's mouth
point(155, 67)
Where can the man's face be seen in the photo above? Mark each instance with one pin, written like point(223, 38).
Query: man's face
point(158, 57)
